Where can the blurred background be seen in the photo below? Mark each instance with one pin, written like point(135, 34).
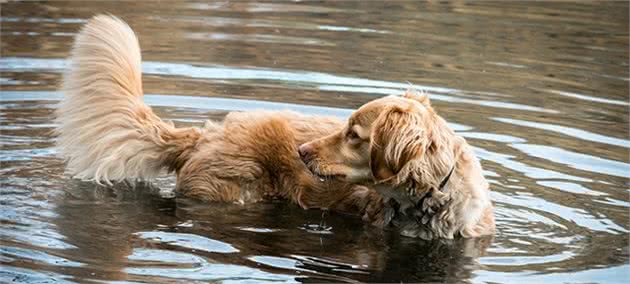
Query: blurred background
point(540, 89)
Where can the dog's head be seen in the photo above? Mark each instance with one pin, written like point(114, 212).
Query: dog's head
point(380, 138)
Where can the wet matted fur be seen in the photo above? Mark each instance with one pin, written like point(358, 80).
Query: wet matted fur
point(107, 134)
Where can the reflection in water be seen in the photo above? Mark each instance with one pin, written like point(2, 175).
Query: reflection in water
point(539, 89)
point(134, 234)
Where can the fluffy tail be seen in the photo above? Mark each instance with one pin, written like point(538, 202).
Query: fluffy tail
point(105, 131)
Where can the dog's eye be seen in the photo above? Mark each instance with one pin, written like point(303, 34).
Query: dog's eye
point(353, 137)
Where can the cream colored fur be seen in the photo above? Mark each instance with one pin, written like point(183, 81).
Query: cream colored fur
point(105, 131)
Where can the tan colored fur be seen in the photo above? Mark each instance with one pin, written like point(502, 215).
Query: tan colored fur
point(405, 150)
point(107, 134)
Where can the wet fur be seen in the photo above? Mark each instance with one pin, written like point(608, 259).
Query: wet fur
point(405, 151)
point(107, 134)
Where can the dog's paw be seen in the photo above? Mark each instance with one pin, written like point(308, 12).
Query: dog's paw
point(376, 211)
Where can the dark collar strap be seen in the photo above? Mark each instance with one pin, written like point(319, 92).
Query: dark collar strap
point(445, 180)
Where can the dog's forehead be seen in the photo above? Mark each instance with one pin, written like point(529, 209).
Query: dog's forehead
point(368, 113)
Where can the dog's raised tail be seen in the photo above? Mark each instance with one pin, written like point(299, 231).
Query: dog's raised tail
point(105, 131)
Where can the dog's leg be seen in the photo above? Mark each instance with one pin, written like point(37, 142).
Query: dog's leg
point(347, 198)
point(212, 189)
point(105, 131)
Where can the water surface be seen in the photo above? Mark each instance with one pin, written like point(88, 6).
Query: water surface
point(539, 89)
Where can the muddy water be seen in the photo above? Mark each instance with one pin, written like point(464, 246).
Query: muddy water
point(539, 89)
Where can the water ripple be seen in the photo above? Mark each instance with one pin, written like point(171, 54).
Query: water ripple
point(322, 80)
point(538, 89)
point(576, 160)
point(190, 241)
point(569, 131)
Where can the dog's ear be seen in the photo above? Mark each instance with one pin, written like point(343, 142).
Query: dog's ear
point(398, 137)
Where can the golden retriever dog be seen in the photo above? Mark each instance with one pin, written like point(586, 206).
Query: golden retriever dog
point(107, 134)
point(431, 180)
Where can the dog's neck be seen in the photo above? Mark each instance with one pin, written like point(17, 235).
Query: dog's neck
point(410, 206)
point(423, 187)
point(412, 186)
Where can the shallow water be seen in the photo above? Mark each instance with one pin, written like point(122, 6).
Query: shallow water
point(539, 89)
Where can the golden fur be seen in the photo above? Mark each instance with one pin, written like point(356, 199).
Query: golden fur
point(405, 150)
point(397, 145)
point(107, 134)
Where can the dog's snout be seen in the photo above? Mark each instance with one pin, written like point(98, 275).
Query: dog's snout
point(306, 152)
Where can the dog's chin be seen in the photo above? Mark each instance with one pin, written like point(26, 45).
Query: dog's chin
point(325, 176)
point(328, 177)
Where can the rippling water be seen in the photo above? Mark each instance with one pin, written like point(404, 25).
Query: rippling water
point(539, 89)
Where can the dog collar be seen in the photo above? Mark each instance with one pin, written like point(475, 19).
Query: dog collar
point(445, 180)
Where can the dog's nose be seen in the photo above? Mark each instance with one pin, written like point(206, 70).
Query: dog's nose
point(306, 151)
